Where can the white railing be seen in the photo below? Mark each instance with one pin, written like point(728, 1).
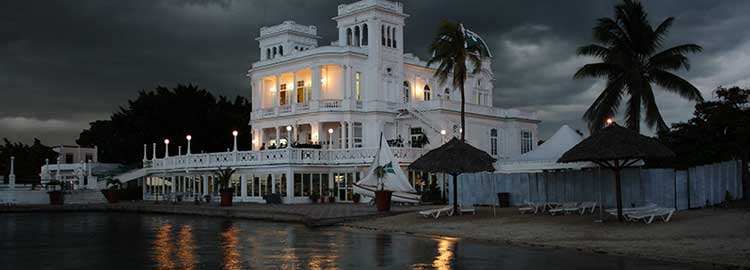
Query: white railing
point(351, 156)
point(330, 103)
point(454, 105)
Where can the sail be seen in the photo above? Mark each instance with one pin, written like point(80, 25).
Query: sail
point(394, 179)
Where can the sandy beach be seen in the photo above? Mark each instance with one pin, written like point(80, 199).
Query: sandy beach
point(708, 236)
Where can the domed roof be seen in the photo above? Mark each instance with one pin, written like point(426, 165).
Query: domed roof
point(472, 39)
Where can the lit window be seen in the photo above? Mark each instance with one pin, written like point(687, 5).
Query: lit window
point(282, 95)
point(493, 142)
point(301, 92)
point(526, 142)
point(357, 83)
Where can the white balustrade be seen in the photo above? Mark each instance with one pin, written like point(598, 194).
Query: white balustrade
point(352, 156)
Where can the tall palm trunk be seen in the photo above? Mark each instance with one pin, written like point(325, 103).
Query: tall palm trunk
point(463, 112)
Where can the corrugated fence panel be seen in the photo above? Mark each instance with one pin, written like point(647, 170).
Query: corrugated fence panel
point(681, 189)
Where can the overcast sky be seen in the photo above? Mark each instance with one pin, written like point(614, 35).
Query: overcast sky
point(64, 64)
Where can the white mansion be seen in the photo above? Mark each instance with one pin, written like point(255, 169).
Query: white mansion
point(319, 111)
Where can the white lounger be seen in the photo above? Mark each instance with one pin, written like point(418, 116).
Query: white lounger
point(471, 210)
point(649, 206)
point(648, 216)
point(563, 208)
point(448, 210)
point(529, 207)
point(586, 206)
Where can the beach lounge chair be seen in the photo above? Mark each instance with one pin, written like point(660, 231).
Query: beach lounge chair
point(586, 206)
point(648, 206)
point(648, 216)
point(529, 207)
point(564, 208)
point(436, 213)
point(471, 210)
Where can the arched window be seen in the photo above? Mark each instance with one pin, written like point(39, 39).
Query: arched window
point(393, 33)
point(493, 142)
point(388, 34)
point(427, 92)
point(382, 34)
point(407, 89)
point(268, 53)
point(364, 35)
point(356, 36)
point(281, 50)
point(274, 52)
point(348, 36)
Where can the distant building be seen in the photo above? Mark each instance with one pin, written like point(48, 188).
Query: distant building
point(332, 103)
point(76, 166)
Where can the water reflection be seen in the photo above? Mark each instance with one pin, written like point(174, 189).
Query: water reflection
point(163, 248)
point(186, 248)
point(446, 250)
point(230, 245)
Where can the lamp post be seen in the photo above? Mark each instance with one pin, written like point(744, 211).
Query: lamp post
point(188, 137)
point(288, 135)
point(330, 137)
point(12, 176)
point(235, 133)
point(166, 148)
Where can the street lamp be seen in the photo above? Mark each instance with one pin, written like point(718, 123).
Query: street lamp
point(166, 148)
point(442, 135)
point(330, 137)
point(188, 137)
point(235, 133)
point(610, 121)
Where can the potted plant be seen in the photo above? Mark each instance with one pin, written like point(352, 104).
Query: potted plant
point(382, 196)
point(112, 192)
point(56, 195)
point(331, 198)
point(222, 178)
point(314, 198)
point(356, 198)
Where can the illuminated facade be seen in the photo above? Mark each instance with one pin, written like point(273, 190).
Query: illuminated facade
point(332, 103)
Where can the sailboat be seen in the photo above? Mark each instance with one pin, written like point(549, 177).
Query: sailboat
point(393, 178)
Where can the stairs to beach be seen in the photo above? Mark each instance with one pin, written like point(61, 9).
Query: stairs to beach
point(86, 196)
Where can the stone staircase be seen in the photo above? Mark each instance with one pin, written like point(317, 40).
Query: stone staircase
point(85, 196)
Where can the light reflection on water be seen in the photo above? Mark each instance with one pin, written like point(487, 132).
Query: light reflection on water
point(138, 241)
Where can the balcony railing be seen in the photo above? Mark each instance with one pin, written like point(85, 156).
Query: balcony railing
point(292, 156)
point(330, 103)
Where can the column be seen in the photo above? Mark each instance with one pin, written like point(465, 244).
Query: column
point(204, 180)
point(289, 183)
point(351, 134)
point(243, 188)
point(278, 136)
point(349, 83)
point(153, 152)
point(144, 183)
point(344, 82)
point(316, 86)
point(261, 138)
point(343, 134)
point(12, 175)
point(294, 132)
point(277, 100)
point(294, 88)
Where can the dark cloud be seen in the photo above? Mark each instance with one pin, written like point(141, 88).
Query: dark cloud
point(65, 63)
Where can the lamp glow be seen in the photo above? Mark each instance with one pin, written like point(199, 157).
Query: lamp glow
point(330, 131)
point(442, 132)
point(188, 137)
point(272, 89)
point(323, 80)
point(610, 121)
point(166, 141)
point(235, 133)
point(288, 128)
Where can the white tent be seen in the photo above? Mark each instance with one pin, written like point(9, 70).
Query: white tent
point(546, 155)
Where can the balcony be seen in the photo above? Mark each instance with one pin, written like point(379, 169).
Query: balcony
point(287, 156)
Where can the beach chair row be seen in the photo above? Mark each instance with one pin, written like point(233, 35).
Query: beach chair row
point(446, 211)
point(554, 208)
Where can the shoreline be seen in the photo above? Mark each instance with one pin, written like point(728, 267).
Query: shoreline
point(640, 246)
point(262, 212)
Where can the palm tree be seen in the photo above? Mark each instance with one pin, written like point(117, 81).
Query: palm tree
point(627, 46)
point(452, 50)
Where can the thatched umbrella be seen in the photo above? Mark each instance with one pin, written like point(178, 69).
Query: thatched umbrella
point(454, 158)
point(615, 148)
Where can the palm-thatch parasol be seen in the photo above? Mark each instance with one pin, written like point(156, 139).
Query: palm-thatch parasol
point(615, 148)
point(454, 158)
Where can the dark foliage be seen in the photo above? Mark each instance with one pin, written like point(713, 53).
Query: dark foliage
point(170, 114)
point(29, 158)
point(718, 131)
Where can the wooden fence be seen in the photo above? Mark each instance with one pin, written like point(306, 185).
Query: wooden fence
point(692, 188)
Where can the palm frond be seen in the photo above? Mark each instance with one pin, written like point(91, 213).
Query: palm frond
point(606, 104)
point(652, 114)
point(593, 50)
point(596, 70)
point(676, 84)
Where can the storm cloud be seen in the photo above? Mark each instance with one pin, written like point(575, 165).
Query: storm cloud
point(66, 63)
